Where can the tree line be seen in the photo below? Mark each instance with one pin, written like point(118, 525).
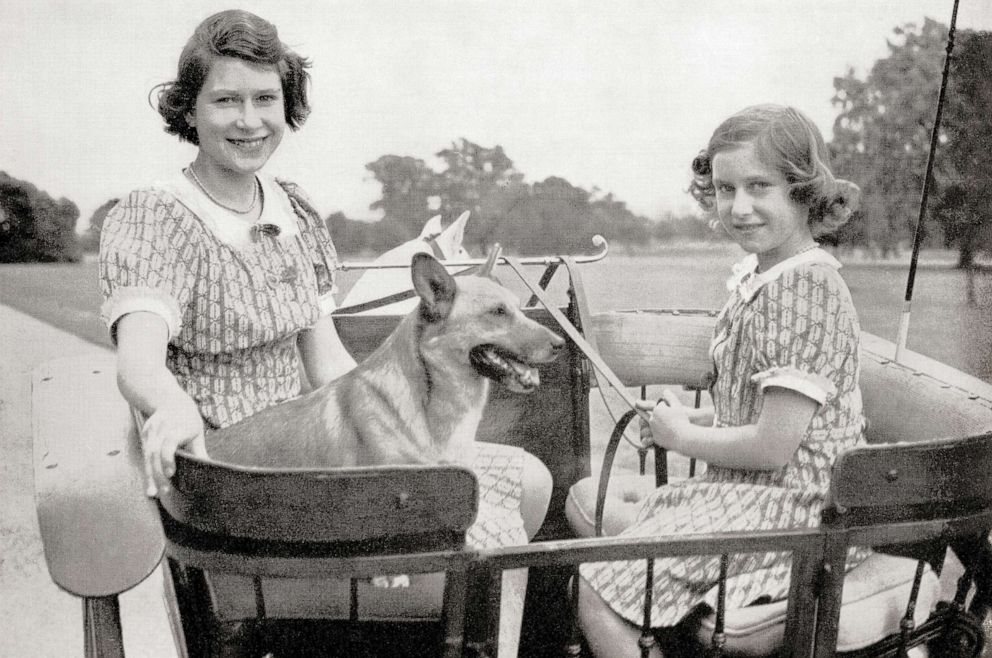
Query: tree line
point(881, 139)
point(549, 216)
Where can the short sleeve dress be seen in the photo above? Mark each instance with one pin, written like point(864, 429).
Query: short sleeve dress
point(235, 298)
point(793, 326)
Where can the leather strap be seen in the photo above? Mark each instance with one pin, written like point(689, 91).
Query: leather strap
point(389, 299)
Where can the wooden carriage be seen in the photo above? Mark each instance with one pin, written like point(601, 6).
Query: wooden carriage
point(288, 553)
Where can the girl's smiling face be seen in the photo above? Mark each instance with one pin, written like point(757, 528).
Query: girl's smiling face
point(753, 204)
point(239, 116)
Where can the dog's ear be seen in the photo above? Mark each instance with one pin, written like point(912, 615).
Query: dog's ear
point(434, 286)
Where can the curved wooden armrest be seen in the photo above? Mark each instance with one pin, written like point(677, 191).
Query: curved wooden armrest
point(101, 534)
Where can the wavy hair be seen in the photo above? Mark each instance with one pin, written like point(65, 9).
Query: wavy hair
point(243, 35)
point(788, 141)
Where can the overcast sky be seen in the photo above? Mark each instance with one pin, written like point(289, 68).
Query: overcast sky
point(617, 95)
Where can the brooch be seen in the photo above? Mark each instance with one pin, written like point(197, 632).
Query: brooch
point(288, 275)
point(258, 231)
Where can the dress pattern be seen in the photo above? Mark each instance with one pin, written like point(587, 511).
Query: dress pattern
point(234, 310)
point(235, 304)
point(794, 327)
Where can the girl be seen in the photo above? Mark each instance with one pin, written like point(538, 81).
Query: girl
point(218, 283)
point(785, 394)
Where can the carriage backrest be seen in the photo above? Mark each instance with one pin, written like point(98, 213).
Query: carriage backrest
point(936, 479)
point(919, 399)
point(399, 508)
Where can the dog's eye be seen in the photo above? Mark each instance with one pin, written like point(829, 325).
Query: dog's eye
point(498, 310)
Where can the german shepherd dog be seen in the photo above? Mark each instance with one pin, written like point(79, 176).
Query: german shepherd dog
point(419, 397)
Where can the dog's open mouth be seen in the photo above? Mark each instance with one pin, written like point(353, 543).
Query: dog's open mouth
point(501, 366)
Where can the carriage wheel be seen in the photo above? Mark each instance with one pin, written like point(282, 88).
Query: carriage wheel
point(962, 638)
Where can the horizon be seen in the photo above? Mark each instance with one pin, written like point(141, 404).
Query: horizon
point(615, 99)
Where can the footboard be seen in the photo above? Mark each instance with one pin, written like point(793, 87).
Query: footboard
point(101, 533)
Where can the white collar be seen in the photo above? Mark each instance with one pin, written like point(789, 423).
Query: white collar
point(225, 225)
point(748, 281)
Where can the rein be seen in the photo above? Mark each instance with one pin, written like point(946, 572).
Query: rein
point(580, 341)
point(390, 299)
point(485, 269)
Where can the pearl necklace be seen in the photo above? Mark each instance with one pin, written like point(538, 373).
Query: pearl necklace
point(811, 247)
point(199, 184)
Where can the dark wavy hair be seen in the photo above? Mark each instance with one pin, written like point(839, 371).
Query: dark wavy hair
point(787, 140)
point(240, 34)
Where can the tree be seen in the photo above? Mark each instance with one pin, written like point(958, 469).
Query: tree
point(34, 226)
point(882, 134)
point(407, 184)
point(481, 180)
point(552, 216)
point(357, 237)
point(964, 205)
point(617, 223)
point(555, 217)
point(91, 238)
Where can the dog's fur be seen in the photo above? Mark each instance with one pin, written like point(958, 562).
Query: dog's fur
point(416, 399)
point(378, 283)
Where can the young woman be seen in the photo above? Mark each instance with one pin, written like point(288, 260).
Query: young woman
point(785, 390)
point(219, 283)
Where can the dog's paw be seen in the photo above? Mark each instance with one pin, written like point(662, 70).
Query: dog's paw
point(391, 582)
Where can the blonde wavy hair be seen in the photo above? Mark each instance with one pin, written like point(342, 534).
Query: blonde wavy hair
point(787, 140)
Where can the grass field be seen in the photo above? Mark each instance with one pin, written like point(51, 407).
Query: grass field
point(944, 325)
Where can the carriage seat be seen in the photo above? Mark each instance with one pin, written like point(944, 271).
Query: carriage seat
point(916, 400)
point(874, 598)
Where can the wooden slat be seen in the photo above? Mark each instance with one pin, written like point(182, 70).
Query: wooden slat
point(320, 567)
point(917, 477)
point(101, 534)
point(321, 505)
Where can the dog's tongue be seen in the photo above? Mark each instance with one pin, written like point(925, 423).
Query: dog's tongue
point(527, 376)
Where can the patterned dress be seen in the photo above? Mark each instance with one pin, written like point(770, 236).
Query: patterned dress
point(235, 300)
point(793, 326)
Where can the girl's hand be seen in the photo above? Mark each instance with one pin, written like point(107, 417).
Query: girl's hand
point(171, 426)
point(668, 422)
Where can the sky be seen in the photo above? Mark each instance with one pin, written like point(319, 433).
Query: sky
point(617, 96)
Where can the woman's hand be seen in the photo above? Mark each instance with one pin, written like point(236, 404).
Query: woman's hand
point(668, 421)
point(173, 425)
point(173, 419)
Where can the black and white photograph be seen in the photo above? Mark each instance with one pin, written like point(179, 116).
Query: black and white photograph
point(466, 328)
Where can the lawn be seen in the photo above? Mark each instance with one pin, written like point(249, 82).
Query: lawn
point(945, 325)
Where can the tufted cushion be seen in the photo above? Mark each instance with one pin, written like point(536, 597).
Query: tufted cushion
point(623, 500)
point(874, 599)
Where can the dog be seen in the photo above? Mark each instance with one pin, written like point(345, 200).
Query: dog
point(419, 397)
point(443, 243)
